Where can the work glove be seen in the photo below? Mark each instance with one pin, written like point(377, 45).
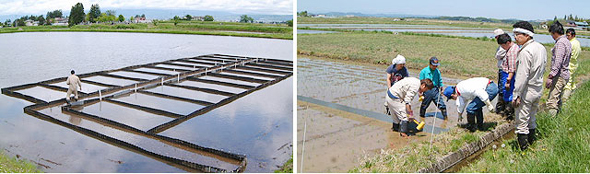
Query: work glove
point(490, 106)
point(548, 83)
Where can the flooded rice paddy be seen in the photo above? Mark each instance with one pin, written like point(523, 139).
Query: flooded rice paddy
point(341, 116)
point(209, 125)
point(433, 29)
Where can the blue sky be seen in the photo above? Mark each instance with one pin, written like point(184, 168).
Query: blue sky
point(500, 9)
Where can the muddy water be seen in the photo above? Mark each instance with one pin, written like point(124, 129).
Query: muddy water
point(336, 138)
point(57, 149)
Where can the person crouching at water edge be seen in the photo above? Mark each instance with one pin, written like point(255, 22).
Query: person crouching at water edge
point(398, 101)
point(479, 91)
point(73, 83)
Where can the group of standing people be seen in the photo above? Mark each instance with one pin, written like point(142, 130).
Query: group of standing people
point(521, 65)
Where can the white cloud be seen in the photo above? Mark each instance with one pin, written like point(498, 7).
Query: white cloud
point(278, 7)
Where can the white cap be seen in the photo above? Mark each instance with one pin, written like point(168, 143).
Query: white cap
point(498, 32)
point(399, 59)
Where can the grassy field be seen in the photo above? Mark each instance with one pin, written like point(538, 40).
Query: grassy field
point(381, 47)
point(13, 165)
point(274, 31)
point(563, 147)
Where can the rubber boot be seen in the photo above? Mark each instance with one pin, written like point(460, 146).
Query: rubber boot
point(471, 122)
point(509, 112)
point(531, 136)
point(500, 105)
point(523, 141)
point(423, 108)
point(395, 127)
point(403, 128)
point(479, 119)
point(553, 112)
point(444, 113)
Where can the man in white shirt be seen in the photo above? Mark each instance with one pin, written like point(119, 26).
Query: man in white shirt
point(74, 82)
point(399, 99)
point(477, 92)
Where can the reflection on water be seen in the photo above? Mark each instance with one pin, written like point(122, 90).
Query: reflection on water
point(259, 124)
point(63, 150)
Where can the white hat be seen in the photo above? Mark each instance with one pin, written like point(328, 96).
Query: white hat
point(498, 32)
point(399, 59)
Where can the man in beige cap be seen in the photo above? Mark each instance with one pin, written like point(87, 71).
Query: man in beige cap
point(74, 82)
point(500, 54)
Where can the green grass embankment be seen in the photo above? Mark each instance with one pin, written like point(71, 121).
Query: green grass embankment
point(14, 165)
point(273, 31)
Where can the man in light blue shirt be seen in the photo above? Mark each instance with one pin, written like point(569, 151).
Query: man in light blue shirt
point(433, 95)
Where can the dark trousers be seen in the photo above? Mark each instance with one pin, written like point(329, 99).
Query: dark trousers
point(432, 95)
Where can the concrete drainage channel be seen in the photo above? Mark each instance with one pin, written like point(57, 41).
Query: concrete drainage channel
point(466, 151)
point(242, 74)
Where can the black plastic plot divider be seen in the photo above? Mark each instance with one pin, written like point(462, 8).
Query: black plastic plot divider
point(240, 78)
point(207, 90)
point(146, 72)
point(98, 83)
point(199, 102)
point(147, 109)
point(168, 69)
point(252, 73)
point(170, 124)
point(287, 67)
point(221, 62)
point(182, 65)
point(128, 146)
point(22, 96)
point(62, 89)
point(289, 64)
point(198, 62)
point(124, 77)
point(270, 66)
point(212, 59)
point(263, 70)
point(231, 56)
point(167, 140)
point(220, 83)
point(226, 58)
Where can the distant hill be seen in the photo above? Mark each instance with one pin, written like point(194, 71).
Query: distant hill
point(453, 18)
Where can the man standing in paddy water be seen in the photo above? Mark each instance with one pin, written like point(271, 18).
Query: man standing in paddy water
point(560, 74)
point(528, 85)
point(506, 82)
point(433, 95)
point(73, 82)
point(500, 54)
